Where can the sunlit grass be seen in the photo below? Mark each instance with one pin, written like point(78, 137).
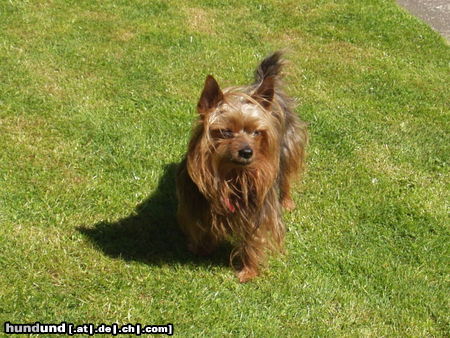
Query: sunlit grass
point(96, 105)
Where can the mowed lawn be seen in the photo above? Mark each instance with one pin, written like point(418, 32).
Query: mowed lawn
point(97, 100)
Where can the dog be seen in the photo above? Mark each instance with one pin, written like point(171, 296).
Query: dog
point(246, 149)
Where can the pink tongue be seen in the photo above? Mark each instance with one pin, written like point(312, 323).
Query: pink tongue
point(229, 205)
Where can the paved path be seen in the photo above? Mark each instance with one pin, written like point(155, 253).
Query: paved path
point(434, 12)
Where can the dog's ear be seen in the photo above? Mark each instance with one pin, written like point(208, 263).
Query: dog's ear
point(211, 96)
point(265, 92)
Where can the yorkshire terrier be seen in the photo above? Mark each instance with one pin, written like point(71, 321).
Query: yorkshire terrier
point(247, 147)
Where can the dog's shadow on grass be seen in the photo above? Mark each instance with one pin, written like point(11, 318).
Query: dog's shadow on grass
point(150, 234)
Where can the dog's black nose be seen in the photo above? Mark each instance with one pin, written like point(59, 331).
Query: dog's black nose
point(246, 152)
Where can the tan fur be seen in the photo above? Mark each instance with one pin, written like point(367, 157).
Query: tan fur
point(246, 148)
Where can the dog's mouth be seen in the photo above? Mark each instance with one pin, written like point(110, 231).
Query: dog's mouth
point(242, 162)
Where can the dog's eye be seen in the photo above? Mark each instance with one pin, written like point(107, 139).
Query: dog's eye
point(226, 133)
point(257, 133)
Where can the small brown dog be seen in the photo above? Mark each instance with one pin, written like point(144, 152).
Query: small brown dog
point(247, 147)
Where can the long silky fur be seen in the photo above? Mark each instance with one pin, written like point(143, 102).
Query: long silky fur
point(255, 191)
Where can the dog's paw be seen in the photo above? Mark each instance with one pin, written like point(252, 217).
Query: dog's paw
point(246, 274)
point(288, 203)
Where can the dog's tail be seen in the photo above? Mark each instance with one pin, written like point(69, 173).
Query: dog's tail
point(270, 66)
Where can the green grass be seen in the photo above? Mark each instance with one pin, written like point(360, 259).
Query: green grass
point(97, 100)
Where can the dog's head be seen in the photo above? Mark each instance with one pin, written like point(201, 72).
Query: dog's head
point(239, 125)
